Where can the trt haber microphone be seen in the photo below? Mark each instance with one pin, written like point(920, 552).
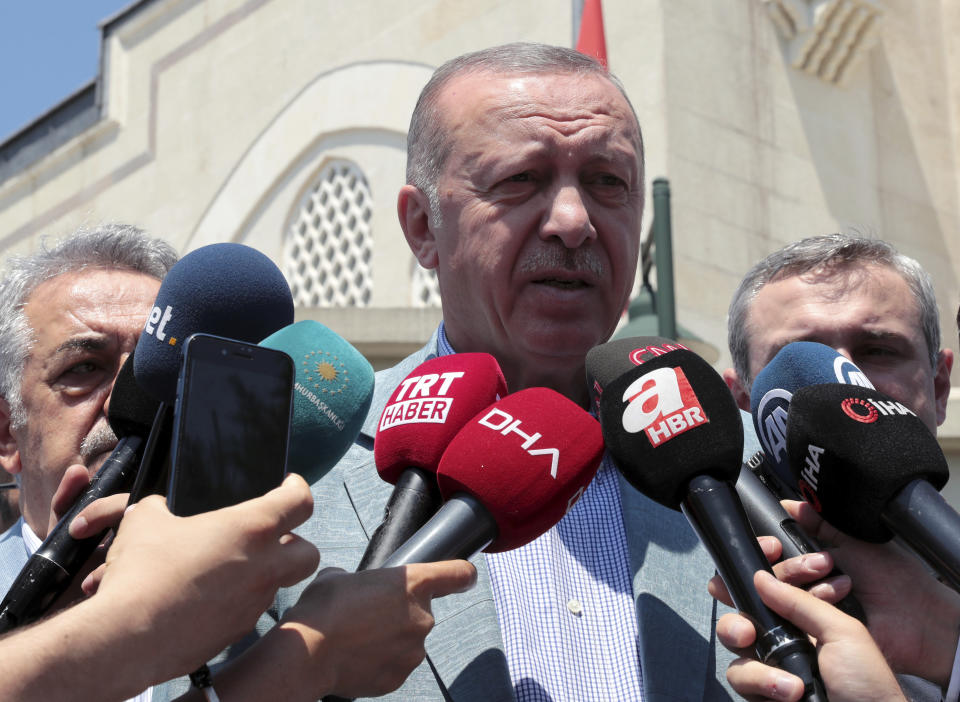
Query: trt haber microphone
point(332, 391)
point(796, 365)
point(674, 431)
point(417, 424)
point(872, 469)
point(509, 475)
point(225, 289)
point(49, 571)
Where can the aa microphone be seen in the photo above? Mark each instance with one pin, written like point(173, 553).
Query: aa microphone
point(796, 365)
point(333, 388)
point(873, 469)
point(674, 431)
point(417, 424)
point(49, 571)
point(510, 474)
point(224, 289)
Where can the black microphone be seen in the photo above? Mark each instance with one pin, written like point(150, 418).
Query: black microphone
point(674, 431)
point(873, 469)
point(49, 571)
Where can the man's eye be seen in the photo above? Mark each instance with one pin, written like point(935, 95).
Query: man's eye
point(520, 178)
point(609, 179)
point(81, 368)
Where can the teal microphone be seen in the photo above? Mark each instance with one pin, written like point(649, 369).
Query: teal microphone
point(332, 392)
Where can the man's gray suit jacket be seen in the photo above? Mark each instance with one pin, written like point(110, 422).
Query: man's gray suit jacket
point(679, 655)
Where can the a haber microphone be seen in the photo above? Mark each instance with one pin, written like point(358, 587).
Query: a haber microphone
point(674, 431)
point(795, 366)
point(509, 475)
point(49, 571)
point(872, 469)
point(417, 424)
point(225, 289)
point(332, 391)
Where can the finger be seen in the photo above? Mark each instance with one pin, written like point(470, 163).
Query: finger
point(754, 680)
point(297, 559)
point(91, 583)
point(736, 632)
point(717, 588)
point(832, 590)
point(286, 507)
point(805, 569)
point(821, 620)
point(772, 549)
point(439, 579)
point(812, 523)
point(99, 515)
point(73, 482)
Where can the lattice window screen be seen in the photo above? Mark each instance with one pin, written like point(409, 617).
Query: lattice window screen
point(329, 246)
point(424, 290)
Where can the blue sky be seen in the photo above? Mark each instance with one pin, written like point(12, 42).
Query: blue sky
point(50, 48)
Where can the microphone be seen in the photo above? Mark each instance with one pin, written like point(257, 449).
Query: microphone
point(417, 424)
point(872, 469)
point(49, 571)
point(333, 388)
point(796, 365)
point(225, 289)
point(674, 431)
point(511, 473)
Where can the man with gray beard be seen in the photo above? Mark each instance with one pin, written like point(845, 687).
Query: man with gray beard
point(69, 317)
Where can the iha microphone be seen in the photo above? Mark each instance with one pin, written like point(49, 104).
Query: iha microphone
point(51, 569)
point(417, 424)
point(872, 469)
point(674, 431)
point(224, 289)
point(509, 475)
point(795, 366)
point(332, 391)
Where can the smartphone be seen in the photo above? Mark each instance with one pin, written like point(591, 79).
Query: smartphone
point(231, 424)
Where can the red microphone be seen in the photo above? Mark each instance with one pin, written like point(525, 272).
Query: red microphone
point(420, 419)
point(510, 474)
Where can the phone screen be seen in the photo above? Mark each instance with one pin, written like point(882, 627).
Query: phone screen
point(231, 424)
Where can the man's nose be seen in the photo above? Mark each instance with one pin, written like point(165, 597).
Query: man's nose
point(567, 217)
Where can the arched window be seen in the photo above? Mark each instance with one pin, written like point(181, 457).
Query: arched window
point(329, 244)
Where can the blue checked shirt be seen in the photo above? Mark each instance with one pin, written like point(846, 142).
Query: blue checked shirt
point(565, 602)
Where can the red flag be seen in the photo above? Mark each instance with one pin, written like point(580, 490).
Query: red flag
point(590, 40)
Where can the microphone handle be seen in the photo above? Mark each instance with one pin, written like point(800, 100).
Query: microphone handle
point(768, 518)
point(415, 499)
point(717, 515)
point(920, 516)
point(460, 529)
point(60, 557)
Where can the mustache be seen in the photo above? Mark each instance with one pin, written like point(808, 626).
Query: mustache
point(99, 440)
point(553, 256)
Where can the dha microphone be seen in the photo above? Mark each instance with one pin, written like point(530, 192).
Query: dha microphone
point(332, 392)
point(509, 475)
point(419, 421)
point(796, 365)
point(872, 469)
point(49, 571)
point(674, 431)
point(225, 289)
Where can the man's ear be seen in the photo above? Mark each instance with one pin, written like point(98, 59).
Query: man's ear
point(9, 451)
point(413, 209)
point(739, 393)
point(941, 382)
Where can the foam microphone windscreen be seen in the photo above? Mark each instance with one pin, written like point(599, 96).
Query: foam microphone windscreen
point(796, 365)
point(225, 289)
point(430, 406)
point(852, 449)
point(527, 459)
point(607, 362)
point(332, 391)
point(131, 411)
point(669, 420)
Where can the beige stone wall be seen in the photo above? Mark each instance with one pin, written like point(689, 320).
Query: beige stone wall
point(218, 114)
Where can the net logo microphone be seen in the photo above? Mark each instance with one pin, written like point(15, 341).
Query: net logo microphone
point(503, 423)
point(662, 404)
point(160, 318)
point(418, 401)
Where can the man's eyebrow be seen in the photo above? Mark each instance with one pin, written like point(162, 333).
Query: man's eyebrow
point(82, 343)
